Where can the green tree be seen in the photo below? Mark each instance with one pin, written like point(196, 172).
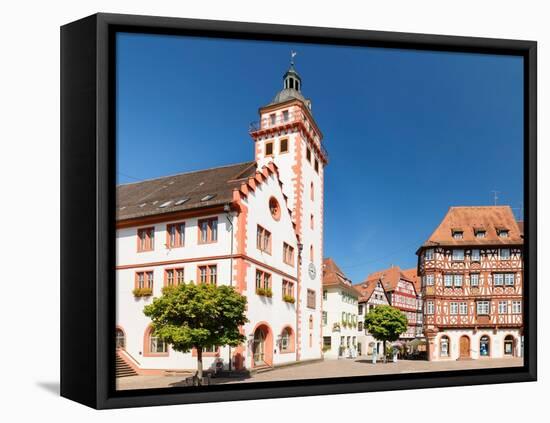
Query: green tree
point(197, 316)
point(385, 323)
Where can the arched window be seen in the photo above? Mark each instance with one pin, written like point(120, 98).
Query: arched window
point(484, 346)
point(153, 345)
point(120, 338)
point(287, 340)
point(444, 346)
point(509, 345)
point(311, 322)
point(311, 253)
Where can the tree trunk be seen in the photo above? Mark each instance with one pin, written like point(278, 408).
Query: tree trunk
point(384, 348)
point(199, 365)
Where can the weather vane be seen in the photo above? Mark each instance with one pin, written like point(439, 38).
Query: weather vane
point(292, 54)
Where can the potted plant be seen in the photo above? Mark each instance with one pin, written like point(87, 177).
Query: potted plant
point(266, 292)
point(288, 298)
point(142, 292)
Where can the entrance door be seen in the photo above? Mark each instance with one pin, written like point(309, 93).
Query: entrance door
point(259, 347)
point(464, 347)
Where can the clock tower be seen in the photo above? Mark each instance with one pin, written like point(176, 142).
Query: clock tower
point(288, 135)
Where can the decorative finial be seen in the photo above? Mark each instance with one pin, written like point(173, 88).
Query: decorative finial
point(292, 54)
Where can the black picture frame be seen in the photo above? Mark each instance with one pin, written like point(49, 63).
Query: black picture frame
point(88, 205)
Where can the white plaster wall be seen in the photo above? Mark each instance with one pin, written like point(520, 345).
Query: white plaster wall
point(334, 306)
point(129, 310)
point(127, 243)
point(130, 317)
point(312, 237)
point(285, 163)
point(276, 312)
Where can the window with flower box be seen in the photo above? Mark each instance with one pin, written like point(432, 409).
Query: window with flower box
point(288, 291)
point(143, 286)
point(263, 283)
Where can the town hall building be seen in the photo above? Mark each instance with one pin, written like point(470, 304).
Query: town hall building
point(472, 282)
point(256, 225)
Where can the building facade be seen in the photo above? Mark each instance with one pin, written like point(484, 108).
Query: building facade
point(472, 278)
point(288, 135)
point(401, 292)
point(371, 295)
point(255, 225)
point(412, 274)
point(340, 318)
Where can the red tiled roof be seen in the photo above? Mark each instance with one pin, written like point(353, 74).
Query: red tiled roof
point(467, 219)
point(366, 289)
point(390, 277)
point(412, 274)
point(333, 275)
point(520, 227)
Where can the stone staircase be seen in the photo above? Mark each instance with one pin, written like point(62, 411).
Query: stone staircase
point(123, 369)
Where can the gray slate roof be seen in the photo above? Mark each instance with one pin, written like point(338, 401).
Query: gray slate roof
point(161, 195)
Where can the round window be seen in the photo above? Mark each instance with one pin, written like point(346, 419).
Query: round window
point(274, 208)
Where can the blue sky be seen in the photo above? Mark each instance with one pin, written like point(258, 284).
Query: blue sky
point(409, 133)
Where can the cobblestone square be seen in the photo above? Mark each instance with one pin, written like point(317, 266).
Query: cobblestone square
point(323, 369)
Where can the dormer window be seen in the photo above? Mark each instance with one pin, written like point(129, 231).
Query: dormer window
point(458, 234)
point(503, 233)
point(480, 233)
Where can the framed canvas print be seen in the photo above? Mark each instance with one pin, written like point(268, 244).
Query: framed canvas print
point(258, 211)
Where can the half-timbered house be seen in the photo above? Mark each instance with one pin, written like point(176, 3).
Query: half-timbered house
point(472, 277)
point(371, 295)
point(401, 293)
